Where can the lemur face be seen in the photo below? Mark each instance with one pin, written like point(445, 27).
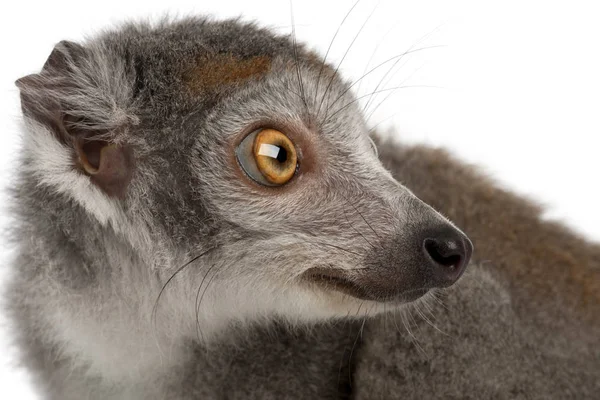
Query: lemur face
point(307, 185)
point(250, 156)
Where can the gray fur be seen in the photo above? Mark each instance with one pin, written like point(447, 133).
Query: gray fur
point(239, 321)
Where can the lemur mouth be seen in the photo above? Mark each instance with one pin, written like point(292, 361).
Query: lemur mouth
point(337, 279)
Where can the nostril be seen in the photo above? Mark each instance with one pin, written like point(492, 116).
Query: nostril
point(448, 253)
point(444, 253)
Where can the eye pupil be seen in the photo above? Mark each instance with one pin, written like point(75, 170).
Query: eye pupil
point(282, 155)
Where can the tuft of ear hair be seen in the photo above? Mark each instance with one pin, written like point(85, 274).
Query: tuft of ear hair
point(82, 99)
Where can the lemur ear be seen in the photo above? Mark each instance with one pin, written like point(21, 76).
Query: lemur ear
point(109, 166)
point(78, 103)
point(43, 93)
point(64, 54)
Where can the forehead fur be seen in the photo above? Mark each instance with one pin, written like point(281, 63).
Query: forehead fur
point(196, 53)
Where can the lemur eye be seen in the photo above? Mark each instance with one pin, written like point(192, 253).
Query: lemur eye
point(268, 156)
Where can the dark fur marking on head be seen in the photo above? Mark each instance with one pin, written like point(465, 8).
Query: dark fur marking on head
point(215, 71)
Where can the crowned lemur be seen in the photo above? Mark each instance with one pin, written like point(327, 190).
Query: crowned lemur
point(201, 213)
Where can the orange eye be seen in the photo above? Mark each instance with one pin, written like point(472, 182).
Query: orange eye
point(268, 156)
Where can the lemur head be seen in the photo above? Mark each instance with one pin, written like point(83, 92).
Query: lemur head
point(232, 147)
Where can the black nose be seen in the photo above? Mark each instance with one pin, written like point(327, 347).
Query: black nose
point(448, 252)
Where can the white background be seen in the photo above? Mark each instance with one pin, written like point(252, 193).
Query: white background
point(515, 87)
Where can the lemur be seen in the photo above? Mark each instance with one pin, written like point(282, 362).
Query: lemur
point(201, 213)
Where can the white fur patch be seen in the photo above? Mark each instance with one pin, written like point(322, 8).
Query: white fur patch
point(51, 162)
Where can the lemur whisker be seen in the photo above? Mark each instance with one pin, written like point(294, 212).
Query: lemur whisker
point(341, 367)
point(385, 316)
point(379, 42)
point(358, 336)
point(374, 127)
point(289, 89)
point(363, 218)
point(371, 112)
point(379, 91)
point(360, 79)
point(436, 296)
point(356, 230)
point(412, 319)
point(326, 92)
point(394, 64)
point(316, 243)
point(427, 320)
point(350, 326)
point(339, 248)
point(199, 300)
point(188, 263)
point(359, 307)
point(329, 49)
point(382, 80)
point(427, 307)
point(403, 316)
point(297, 62)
